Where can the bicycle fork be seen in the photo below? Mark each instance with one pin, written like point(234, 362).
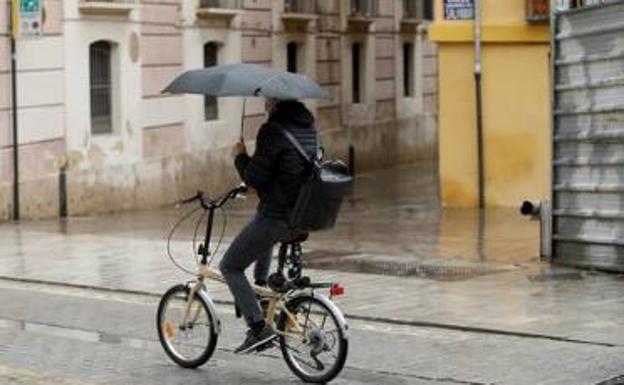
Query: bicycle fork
point(189, 304)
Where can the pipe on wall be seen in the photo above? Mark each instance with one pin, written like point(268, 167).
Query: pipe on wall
point(479, 101)
point(16, 194)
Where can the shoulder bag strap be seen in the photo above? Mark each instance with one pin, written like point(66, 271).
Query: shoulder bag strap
point(291, 138)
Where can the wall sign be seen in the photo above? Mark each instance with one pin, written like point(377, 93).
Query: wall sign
point(27, 18)
point(458, 9)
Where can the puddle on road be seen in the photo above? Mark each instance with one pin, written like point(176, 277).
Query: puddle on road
point(557, 276)
point(396, 266)
point(76, 333)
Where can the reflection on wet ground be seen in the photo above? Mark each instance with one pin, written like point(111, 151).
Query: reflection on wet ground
point(392, 225)
point(76, 333)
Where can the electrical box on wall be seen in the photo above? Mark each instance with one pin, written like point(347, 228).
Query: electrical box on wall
point(537, 11)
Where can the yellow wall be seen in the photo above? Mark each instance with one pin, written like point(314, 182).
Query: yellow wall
point(515, 107)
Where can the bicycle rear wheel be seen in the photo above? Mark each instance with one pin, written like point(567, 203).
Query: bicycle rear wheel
point(314, 345)
point(191, 343)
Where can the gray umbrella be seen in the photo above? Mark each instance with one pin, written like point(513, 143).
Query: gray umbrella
point(246, 80)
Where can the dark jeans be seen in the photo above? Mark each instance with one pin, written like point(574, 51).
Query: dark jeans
point(254, 243)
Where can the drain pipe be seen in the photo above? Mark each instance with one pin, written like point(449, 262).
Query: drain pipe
point(542, 212)
point(479, 100)
point(13, 33)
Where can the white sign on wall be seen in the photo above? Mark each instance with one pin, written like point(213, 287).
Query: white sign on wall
point(27, 18)
point(459, 10)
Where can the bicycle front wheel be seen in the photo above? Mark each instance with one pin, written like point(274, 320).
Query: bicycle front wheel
point(191, 342)
point(312, 342)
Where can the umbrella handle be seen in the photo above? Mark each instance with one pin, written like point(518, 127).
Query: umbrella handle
point(242, 128)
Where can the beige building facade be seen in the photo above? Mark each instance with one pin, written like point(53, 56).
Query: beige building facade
point(90, 101)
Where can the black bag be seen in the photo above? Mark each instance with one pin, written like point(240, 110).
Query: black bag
point(321, 195)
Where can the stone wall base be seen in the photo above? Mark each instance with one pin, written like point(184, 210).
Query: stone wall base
point(160, 181)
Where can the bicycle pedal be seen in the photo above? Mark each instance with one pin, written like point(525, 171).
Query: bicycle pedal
point(266, 346)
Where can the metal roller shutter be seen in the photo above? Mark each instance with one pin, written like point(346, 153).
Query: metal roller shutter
point(588, 137)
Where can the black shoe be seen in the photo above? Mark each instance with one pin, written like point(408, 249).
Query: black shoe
point(254, 340)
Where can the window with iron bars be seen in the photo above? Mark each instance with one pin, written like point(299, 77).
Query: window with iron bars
point(408, 69)
point(211, 58)
point(418, 9)
point(300, 6)
point(100, 87)
point(227, 4)
point(292, 57)
point(365, 8)
point(569, 4)
point(356, 72)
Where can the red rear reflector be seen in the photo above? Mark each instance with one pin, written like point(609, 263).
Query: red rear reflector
point(336, 289)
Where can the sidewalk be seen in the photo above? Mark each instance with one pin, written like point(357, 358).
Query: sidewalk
point(445, 273)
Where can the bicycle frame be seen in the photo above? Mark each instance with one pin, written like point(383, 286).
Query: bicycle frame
point(275, 305)
point(276, 300)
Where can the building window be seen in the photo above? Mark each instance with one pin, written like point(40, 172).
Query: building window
point(408, 69)
point(227, 4)
point(292, 56)
point(300, 6)
point(418, 9)
point(364, 8)
point(100, 84)
point(211, 106)
point(428, 10)
point(356, 71)
point(569, 4)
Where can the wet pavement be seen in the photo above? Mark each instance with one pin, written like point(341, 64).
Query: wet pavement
point(402, 258)
point(393, 219)
point(55, 335)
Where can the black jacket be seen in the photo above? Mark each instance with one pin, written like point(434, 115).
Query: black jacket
point(276, 170)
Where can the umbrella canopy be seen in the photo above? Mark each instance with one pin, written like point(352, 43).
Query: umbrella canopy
point(246, 80)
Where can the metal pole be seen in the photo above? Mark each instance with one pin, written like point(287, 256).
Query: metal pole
point(479, 101)
point(63, 191)
point(16, 207)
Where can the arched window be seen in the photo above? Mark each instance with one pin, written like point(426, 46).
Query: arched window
point(292, 56)
point(101, 87)
point(211, 105)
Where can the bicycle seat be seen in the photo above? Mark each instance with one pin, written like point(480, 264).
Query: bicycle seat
point(294, 236)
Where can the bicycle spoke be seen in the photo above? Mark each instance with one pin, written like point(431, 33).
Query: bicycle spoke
point(191, 338)
point(306, 363)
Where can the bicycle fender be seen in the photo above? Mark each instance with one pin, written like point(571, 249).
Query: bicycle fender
point(211, 308)
point(342, 323)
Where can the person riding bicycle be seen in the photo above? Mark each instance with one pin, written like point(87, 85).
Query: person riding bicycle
point(276, 171)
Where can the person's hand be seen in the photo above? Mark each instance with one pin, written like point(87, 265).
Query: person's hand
point(238, 148)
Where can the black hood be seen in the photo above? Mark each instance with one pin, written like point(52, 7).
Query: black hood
point(294, 112)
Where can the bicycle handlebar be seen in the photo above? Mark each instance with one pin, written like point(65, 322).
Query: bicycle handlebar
point(215, 203)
